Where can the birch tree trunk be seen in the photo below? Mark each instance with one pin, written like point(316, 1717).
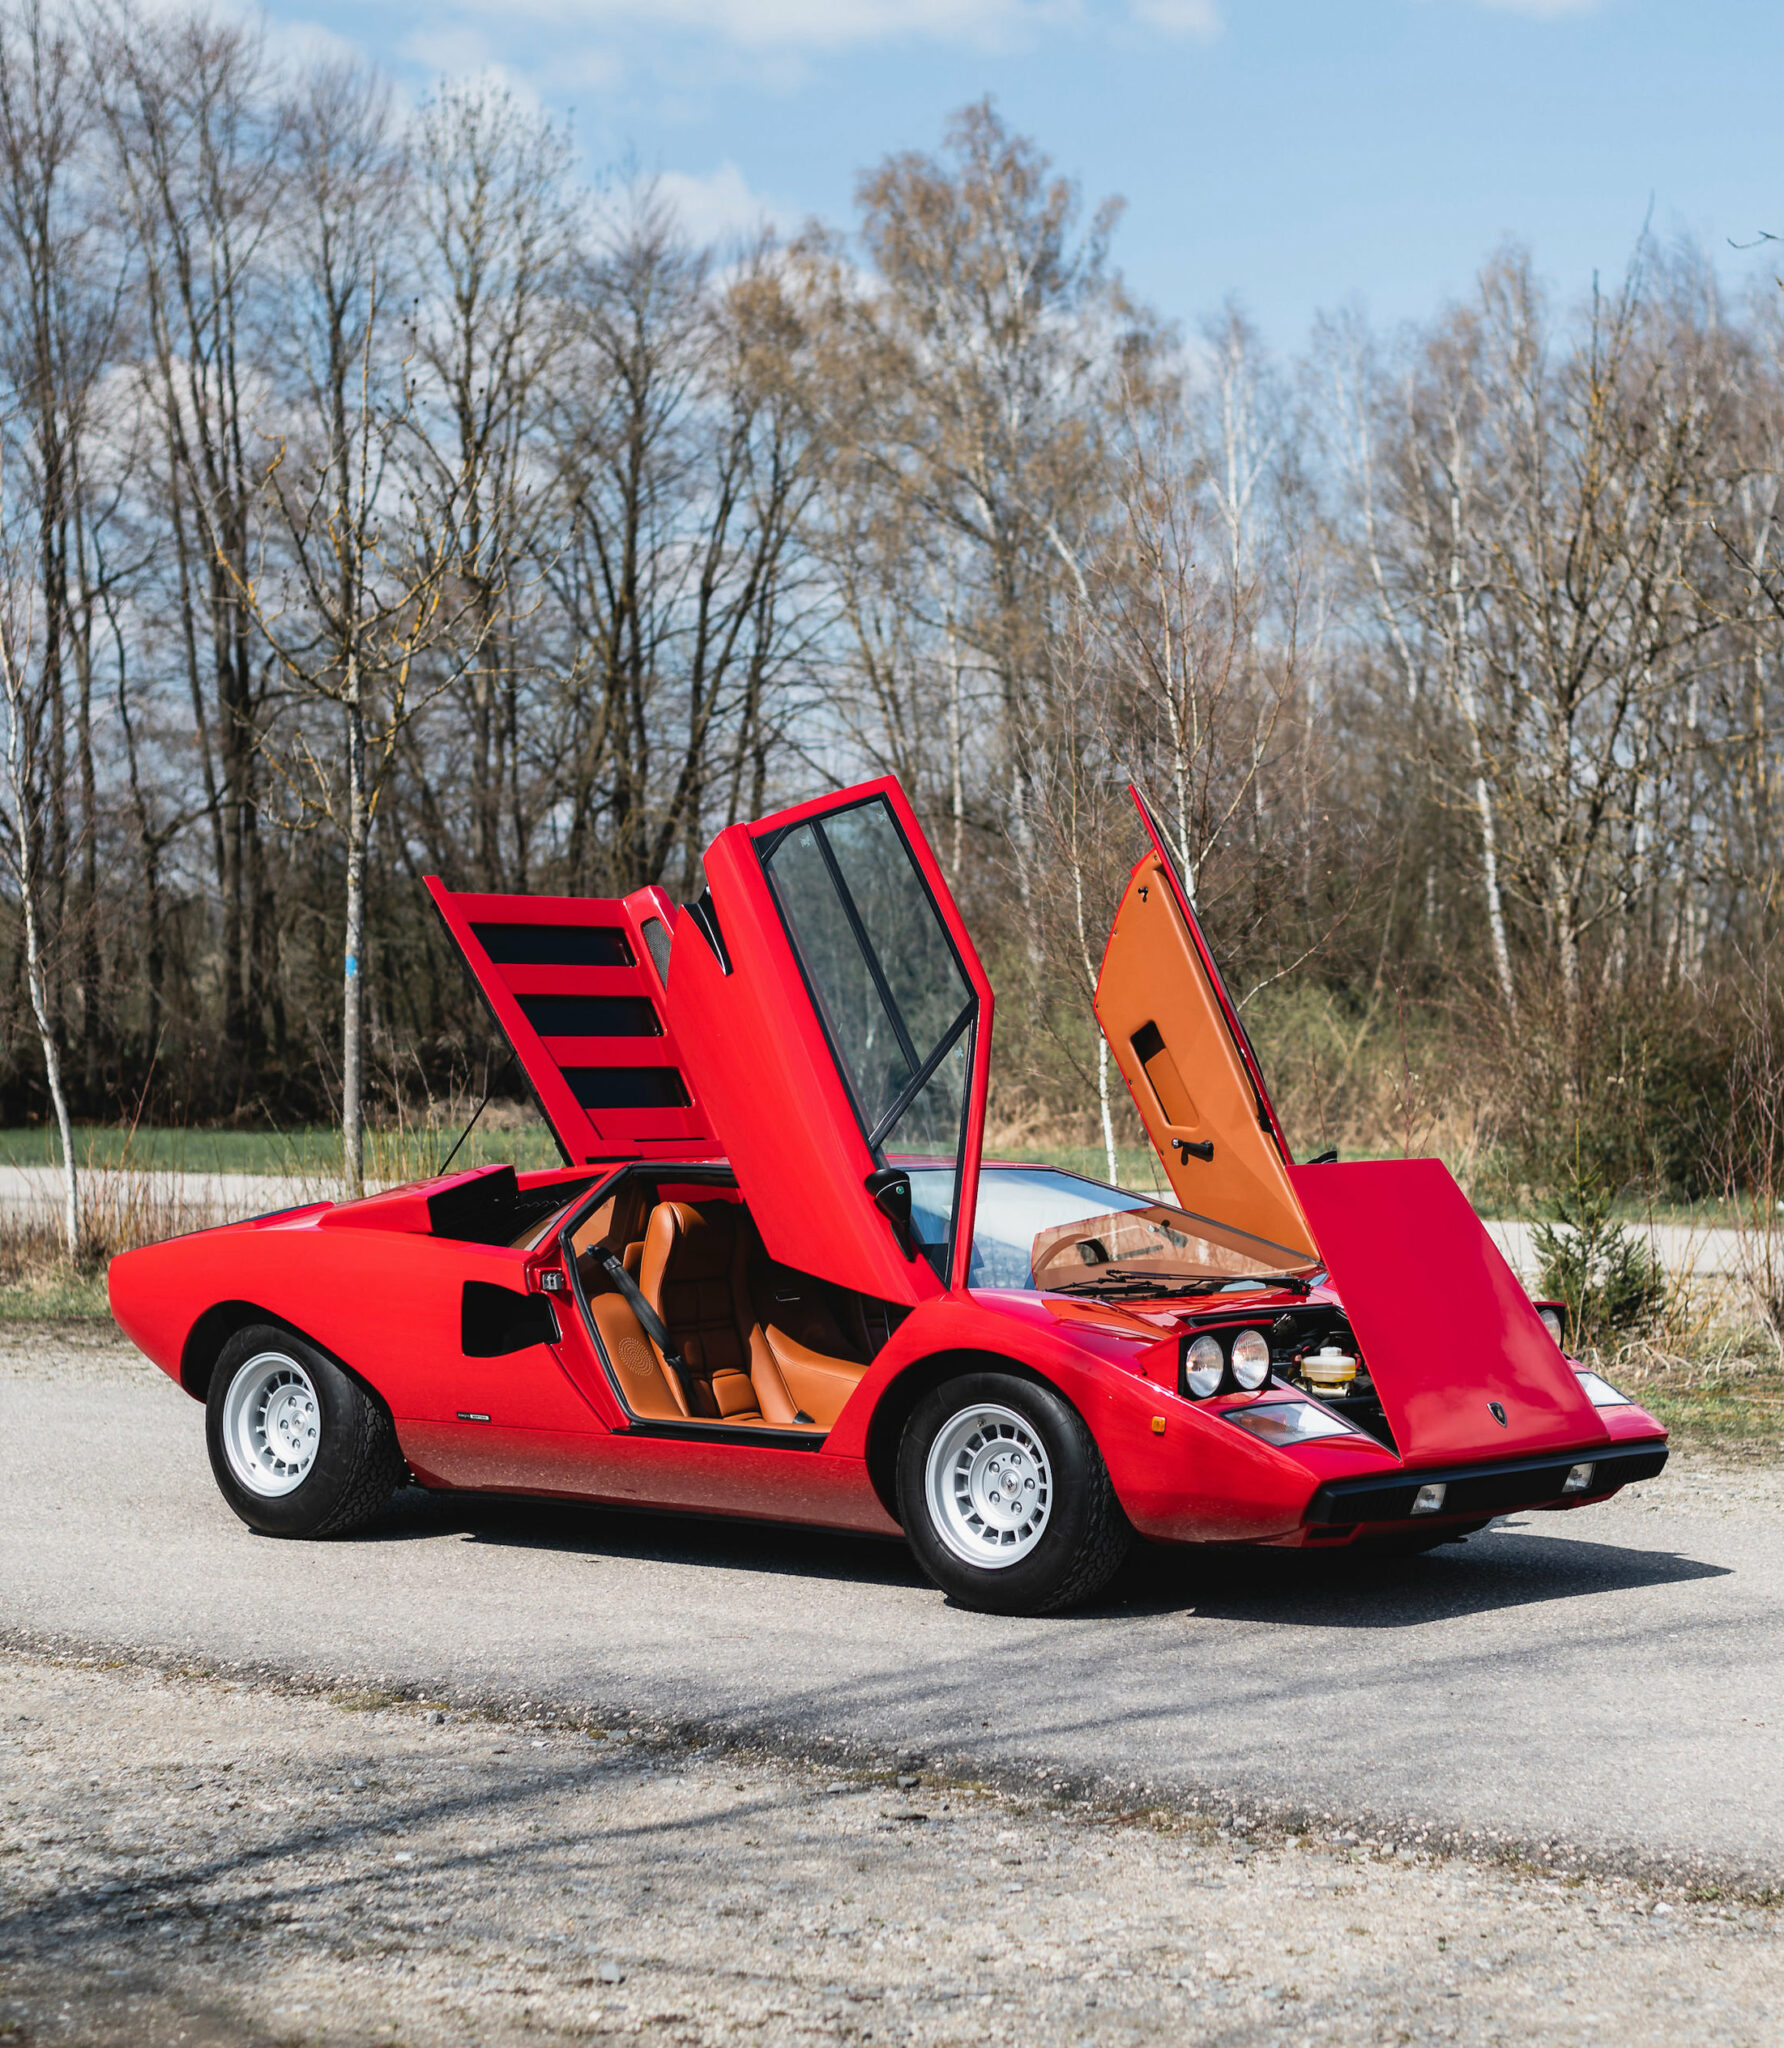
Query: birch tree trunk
point(52, 1058)
point(27, 829)
point(353, 981)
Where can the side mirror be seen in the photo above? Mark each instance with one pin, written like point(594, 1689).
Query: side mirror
point(890, 1187)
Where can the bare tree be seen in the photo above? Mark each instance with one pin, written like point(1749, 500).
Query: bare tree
point(682, 447)
point(497, 232)
point(28, 682)
point(361, 574)
point(199, 162)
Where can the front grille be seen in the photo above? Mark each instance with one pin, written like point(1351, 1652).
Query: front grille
point(1495, 1489)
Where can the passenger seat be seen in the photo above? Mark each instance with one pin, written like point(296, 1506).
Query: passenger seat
point(695, 1274)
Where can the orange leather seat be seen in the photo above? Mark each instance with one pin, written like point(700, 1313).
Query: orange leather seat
point(759, 1345)
point(695, 1274)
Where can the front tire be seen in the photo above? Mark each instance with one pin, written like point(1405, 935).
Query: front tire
point(298, 1447)
point(1005, 1498)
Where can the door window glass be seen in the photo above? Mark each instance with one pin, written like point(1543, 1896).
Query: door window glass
point(908, 939)
point(929, 1125)
point(890, 988)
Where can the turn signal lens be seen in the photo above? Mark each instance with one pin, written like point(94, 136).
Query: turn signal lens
point(1428, 1499)
point(1578, 1479)
point(1287, 1422)
point(1551, 1321)
point(1601, 1393)
point(1251, 1359)
point(1203, 1364)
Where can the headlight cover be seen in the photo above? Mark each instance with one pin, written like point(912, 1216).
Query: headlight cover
point(1599, 1390)
point(1251, 1359)
point(1204, 1365)
point(1288, 1422)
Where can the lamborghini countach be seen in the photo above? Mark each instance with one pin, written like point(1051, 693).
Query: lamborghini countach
point(774, 1277)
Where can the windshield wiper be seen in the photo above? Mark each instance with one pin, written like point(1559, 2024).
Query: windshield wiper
point(1138, 1283)
point(1162, 1290)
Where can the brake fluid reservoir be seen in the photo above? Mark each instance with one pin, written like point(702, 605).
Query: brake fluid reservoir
point(1329, 1370)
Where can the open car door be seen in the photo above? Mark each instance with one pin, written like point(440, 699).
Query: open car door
point(1191, 1070)
point(576, 985)
point(835, 1023)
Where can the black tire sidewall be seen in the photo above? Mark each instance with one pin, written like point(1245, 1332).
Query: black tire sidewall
point(1079, 1481)
point(346, 1413)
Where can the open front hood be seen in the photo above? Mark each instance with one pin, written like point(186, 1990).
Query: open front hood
point(1460, 1359)
point(1452, 1341)
point(1188, 1064)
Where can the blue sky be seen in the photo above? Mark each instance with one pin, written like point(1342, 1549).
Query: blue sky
point(1294, 154)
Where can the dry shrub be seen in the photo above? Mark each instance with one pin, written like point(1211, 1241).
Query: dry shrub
point(1376, 1079)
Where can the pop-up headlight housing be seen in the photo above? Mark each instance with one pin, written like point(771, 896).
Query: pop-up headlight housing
point(1251, 1359)
point(1204, 1367)
point(1224, 1362)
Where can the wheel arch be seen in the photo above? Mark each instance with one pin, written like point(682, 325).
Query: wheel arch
point(899, 1398)
point(207, 1337)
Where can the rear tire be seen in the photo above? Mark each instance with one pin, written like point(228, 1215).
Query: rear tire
point(1005, 1498)
point(298, 1447)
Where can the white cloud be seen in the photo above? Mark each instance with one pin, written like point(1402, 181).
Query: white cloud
point(715, 206)
point(767, 26)
point(600, 44)
point(1197, 19)
point(813, 24)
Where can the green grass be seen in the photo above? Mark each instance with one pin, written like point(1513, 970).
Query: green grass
point(56, 1298)
point(1742, 1417)
point(309, 1150)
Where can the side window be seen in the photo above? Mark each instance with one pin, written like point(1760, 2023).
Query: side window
point(893, 997)
point(889, 987)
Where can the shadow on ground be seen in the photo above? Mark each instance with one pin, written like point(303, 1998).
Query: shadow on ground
point(1511, 1565)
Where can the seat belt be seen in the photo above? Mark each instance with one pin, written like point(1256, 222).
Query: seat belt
point(653, 1324)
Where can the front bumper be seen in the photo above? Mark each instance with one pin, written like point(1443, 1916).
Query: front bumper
point(1481, 1490)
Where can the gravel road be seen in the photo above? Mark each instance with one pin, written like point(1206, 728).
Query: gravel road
point(221, 1865)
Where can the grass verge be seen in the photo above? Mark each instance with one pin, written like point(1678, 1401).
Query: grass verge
point(306, 1152)
point(58, 1298)
point(1728, 1417)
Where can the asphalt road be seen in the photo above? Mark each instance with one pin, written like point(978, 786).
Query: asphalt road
point(175, 1201)
point(1611, 1680)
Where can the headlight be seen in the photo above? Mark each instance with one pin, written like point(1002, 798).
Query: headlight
point(1203, 1364)
point(1600, 1392)
point(1551, 1321)
point(1288, 1422)
point(1251, 1359)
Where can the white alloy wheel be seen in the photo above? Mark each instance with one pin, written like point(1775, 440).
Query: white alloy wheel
point(272, 1424)
point(990, 1486)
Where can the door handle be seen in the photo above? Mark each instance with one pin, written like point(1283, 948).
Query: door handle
point(1203, 1148)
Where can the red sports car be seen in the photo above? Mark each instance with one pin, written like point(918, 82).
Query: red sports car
point(774, 1279)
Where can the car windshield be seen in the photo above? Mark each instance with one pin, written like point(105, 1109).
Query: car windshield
point(1038, 1227)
